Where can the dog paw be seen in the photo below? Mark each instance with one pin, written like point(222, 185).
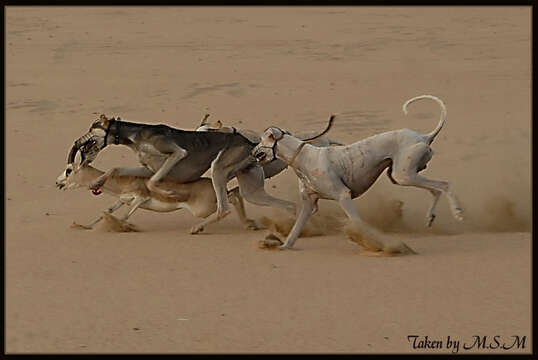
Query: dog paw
point(285, 246)
point(251, 225)
point(75, 225)
point(222, 213)
point(197, 229)
point(458, 213)
point(271, 241)
point(168, 193)
point(429, 220)
point(154, 188)
point(162, 192)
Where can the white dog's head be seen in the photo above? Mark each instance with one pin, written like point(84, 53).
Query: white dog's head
point(265, 151)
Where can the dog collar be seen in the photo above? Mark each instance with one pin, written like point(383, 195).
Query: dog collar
point(117, 134)
point(273, 148)
point(283, 132)
point(296, 153)
point(116, 124)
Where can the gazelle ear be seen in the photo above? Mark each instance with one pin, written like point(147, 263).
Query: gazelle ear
point(219, 124)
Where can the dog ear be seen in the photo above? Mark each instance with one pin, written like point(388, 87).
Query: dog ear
point(204, 120)
point(275, 133)
point(104, 120)
point(268, 134)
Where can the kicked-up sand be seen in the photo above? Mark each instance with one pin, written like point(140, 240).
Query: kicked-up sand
point(162, 290)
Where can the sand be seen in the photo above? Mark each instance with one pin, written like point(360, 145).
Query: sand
point(162, 290)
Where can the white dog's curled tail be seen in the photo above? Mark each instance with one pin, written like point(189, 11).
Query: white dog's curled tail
point(429, 137)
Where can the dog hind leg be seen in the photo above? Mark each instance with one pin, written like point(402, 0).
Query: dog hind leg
point(138, 172)
point(251, 186)
point(405, 173)
point(213, 218)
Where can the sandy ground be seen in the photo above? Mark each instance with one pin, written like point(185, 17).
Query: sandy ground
point(165, 291)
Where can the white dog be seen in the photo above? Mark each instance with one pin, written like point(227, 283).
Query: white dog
point(343, 173)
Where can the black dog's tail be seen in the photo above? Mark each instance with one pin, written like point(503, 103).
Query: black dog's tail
point(329, 126)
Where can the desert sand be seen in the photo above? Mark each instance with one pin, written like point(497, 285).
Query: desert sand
point(162, 290)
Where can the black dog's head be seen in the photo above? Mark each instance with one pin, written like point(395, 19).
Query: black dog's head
point(89, 144)
point(95, 140)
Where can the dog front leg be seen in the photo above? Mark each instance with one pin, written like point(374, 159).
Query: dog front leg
point(213, 218)
point(229, 162)
point(170, 162)
point(237, 201)
point(138, 172)
point(251, 185)
point(219, 177)
point(306, 211)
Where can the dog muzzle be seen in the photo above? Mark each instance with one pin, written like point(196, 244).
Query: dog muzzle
point(261, 155)
point(89, 151)
point(88, 145)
